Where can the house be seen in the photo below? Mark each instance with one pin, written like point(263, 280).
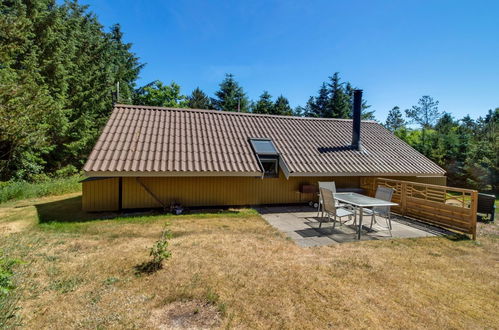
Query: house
point(149, 157)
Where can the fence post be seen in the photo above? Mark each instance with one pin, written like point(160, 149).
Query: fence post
point(474, 207)
point(403, 198)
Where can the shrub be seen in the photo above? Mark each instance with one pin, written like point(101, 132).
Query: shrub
point(159, 250)
point(14, 190)
point(159, 253)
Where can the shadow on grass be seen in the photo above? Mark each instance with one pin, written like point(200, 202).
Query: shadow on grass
point(69, 210)
point(457, 237)
point(147, 268)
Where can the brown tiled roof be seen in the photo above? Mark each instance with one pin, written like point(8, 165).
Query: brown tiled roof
point(140, 140)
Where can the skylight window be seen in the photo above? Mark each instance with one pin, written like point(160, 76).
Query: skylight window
point(264, 147)
point(267, 155)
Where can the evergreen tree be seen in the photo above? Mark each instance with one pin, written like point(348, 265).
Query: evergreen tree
point(340, 105)
point(264, 105)
point(199, 100)
point(425, 114)
point(300, 111)
point(334, 100)
point(282, 107)
point(395, 120)
point(482, 161)
point(318, 106)
point(57, 61)
point(444, 145)
point(125, 66)
point(230, 96)
point(158, 94)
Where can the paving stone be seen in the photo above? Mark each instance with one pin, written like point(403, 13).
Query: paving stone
point(302, 226)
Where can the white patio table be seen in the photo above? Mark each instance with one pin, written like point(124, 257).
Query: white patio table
point(361, 201)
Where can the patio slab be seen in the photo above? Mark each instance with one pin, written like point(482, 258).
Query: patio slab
point(301, 224)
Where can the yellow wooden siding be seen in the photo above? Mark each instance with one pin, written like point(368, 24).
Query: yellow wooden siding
point(100, 195)
point(210, 191)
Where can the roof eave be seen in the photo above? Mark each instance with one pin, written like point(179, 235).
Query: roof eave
point(364, 174)
point(168, 174)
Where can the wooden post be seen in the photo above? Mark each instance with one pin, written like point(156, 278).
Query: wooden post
point(474, 207)
point(403, 198)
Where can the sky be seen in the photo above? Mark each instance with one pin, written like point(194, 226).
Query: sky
point(396, 51)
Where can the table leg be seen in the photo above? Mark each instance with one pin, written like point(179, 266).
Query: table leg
point(361, 210)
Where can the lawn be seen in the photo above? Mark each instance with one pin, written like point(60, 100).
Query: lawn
point(230, 269)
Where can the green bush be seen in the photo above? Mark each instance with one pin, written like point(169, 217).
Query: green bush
point(159, 253)
point(14, 190)
point(159, 250)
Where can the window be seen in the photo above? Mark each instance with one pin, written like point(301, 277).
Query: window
point(270, 167)
point(267, 155)
point(263, 147)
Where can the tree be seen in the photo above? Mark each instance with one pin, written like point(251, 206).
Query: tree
point(425, 114)
point(282, 107)
point(58, 63)
point(230, 96)
point(444, 146)
point(264, 105)
point(395, 120)
point(158, 94)
point(482, 162)
point(340, 105)
point(318, 106)
point(199, 100)
point(334, 100)
point(299, 111)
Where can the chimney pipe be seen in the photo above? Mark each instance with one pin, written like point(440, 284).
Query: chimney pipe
point(357, 107)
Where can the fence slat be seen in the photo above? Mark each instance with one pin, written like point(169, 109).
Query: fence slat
point(448, 207)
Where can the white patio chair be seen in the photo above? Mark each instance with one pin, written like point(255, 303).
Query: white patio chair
point(331, 186)
point(331, 209)
point(385, 194)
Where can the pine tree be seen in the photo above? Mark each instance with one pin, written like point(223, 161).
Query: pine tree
point(299, 111)
point(264, 105)
point(318, 106)
point(75, 66)
point(282, 107)
point(199, 100)
point(340, 105)
point(230, 96)
point(334, 100)
point(394, 120)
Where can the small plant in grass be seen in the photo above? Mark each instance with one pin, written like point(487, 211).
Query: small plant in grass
point(8, 298)
point(159, 253)
point(6, 274)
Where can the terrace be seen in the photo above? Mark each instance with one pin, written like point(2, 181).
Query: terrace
point(301, 224)
point(419, 208)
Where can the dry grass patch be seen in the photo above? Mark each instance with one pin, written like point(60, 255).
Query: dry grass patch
point(186, 315)
point(233, 270)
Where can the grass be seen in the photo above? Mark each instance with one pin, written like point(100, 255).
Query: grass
point(230, 269)
point(17, 190)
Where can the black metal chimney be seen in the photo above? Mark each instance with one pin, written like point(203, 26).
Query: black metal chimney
point(357, 107)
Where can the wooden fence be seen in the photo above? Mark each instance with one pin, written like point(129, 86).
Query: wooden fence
point(448, 207)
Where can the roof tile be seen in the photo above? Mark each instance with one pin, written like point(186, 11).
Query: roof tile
point(154, 139)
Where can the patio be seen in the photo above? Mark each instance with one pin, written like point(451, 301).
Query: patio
point(300, 223)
